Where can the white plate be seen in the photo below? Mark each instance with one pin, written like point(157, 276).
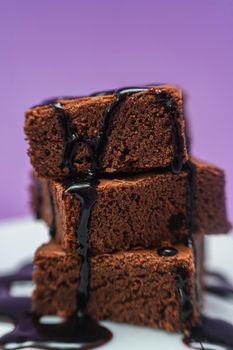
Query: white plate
point(20, 238)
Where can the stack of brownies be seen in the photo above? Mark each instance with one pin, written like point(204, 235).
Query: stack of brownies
point(127, 207)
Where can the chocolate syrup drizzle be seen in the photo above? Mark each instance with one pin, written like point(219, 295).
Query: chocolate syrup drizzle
point(87, 194)
point(182, 277)
point(210, 332)
point(167, 251)
point(52, 227)
point(38, 197)
point(220, 285)
point(213, 332)
point(29, 332)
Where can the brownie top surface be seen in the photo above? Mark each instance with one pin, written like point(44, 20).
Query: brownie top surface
point(54, 249)
point(141, 177)
point(76, 102)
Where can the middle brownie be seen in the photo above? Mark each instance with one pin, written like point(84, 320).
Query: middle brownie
point(140, 211)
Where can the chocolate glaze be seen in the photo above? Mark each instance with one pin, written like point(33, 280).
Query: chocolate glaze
point(167, 251)
point(30, 333)
point(38, 195)
point(209, 334)
point(182, 279)
point(212, 332)
point(87, 194)
point(221, 286)
point(52, 228)
point(191, 170)
point(181, 274)
point(103, 93)
point(171, 108)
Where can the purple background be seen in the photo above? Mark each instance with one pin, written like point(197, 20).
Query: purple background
point(52, 47)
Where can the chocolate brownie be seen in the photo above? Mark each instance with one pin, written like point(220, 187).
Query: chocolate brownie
point(134, 129)
point(140, 210)
point(145, 287)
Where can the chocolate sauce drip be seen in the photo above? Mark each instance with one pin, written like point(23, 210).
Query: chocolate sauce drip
point(51, 101)
point(219, 284)
point(70, 137)
point(167, 251)
point(191, 169)
point(181, 274)
point(182, 279)
point(103, 93)
point(85, 189)
point(171, 108)
point(38, 198)
point(52, 227)
point(30, 333)
point(87, 194)
point(211, 333)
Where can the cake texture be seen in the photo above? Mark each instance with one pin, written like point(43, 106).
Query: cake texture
point(138, 211)
point(141, 287)
point(145, 130)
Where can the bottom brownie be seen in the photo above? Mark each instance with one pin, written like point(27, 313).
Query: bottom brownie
point(138, 287)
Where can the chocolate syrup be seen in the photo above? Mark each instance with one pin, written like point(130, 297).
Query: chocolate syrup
point(87, 194)
point(30, 333)
point(171, 108)
point(219, 286)
point(96, 145)
point(213, 332)
point(181, 273)
point(52, 226)
point(38, 197)
point(182, 279)
point(191, 170)
point(167, 251)
point(210, 334)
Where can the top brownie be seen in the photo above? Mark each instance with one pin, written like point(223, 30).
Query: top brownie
point(130, 130)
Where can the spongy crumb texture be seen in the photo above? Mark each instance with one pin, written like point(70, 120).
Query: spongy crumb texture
point(137, 287)
point(140, 211)
point(140, 136)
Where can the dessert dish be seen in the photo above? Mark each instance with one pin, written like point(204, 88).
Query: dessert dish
point(141, 210)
